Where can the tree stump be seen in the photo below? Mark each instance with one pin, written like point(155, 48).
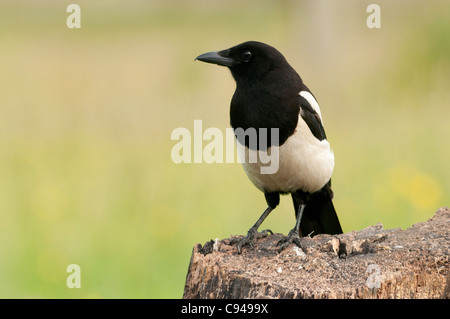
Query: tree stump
point(370, 263)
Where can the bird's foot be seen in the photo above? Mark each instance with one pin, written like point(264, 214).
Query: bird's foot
point(251, 236)
point(292, 237)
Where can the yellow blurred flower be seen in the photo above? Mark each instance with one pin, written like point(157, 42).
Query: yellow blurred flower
point(420, 189)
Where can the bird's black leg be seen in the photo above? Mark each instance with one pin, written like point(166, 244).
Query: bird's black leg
point(294, 234)
point(253, 233)
point(273, 200)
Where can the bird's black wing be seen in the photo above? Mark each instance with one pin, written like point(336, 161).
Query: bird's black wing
point(319, 216)
point(312, 119)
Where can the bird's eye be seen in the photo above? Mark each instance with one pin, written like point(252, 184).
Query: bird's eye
point(246, 55)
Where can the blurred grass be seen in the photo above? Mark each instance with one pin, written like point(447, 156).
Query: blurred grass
point(86, 117)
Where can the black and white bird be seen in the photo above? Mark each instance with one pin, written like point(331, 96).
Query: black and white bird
point(270, 94)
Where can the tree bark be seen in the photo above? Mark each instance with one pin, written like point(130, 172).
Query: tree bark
point(370, 263)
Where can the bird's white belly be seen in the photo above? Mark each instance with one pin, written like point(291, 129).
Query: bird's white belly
point(304, 163)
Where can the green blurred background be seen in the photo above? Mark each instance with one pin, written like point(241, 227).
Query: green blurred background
point(86, 116)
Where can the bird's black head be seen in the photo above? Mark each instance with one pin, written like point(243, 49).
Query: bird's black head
point(267, 88)
point(250, 61)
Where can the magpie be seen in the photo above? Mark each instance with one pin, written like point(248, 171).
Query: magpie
point(270, 94)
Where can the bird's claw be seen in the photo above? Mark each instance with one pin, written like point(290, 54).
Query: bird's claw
point(292, 237)
point(251, 236)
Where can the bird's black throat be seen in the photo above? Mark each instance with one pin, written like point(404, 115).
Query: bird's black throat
point(265, 113)
point(254, 106)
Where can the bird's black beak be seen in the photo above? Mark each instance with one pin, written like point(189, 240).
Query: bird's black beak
point(218, 57)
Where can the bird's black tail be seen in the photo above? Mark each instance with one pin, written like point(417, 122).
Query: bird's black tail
point(319, 216)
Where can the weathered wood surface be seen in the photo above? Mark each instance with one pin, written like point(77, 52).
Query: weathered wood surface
point(370, 263)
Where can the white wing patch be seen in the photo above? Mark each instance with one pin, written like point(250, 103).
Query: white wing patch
point(312, 101)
